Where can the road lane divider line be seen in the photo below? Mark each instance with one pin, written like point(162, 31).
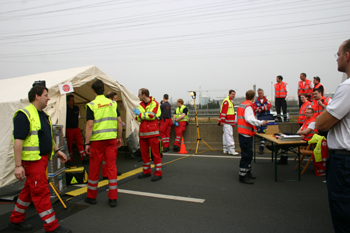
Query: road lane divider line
point(162, 196)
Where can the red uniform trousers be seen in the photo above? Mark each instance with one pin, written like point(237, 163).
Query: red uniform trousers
point(179, 131)
point(165, 129)
point(36, 190)
point(153, 142)
point(104, 167)
point(99, 149)
point(74, 135)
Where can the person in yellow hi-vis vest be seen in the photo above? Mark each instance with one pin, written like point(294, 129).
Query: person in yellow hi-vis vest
point(180, 119)
point(103, 135)
point(148, 113)
point(227, 120)
point(34, 146)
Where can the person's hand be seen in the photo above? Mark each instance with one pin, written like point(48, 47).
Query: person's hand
point(119, 142)
point(221, 124)
point(123, 124)
point(20, 173)
point(265, 123)
point(176, 124)
point(286, 98)
point(88, 149)
point(136, 111)
point(62, 156)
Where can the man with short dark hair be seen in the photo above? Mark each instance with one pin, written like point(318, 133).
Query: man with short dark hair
point(34, 146)
point(165, 122)
point(281, 96)
point(336, 119)
point(246, 130)
point(320, 102)
point(73, 133)
point(112, 96)
point(318, 85)
point(262, 107)
point(227, 120)
point(305, 86)
point(102, 136)
point(148, 113)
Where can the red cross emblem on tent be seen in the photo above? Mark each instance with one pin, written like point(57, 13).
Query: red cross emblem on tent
point(66, 87)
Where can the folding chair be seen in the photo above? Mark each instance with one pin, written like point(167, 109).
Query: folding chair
point(303, 152)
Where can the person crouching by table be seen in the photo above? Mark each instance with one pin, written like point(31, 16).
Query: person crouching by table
point(307, 130)
point(246, 130)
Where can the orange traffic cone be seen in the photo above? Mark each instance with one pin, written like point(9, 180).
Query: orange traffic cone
point(183, 148)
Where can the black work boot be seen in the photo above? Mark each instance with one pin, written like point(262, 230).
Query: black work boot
point(156, 178)
point(143, 175)
point(247, 181)
point(261, 150)
point(60, 229)
point(90, 201)
point(21, 226)
point(283, 160)
point(165, 149)
point(176, 148)
point(112, 202)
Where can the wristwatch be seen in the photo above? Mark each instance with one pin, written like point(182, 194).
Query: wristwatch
point(87, 144)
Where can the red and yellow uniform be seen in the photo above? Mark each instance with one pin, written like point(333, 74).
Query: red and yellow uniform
point(148, 133)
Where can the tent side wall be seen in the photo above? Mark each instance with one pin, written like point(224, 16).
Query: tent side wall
point(6, 153)
point(81, 79)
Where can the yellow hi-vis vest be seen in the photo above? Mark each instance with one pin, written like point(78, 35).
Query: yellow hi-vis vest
point(231, 109)
point(179, 111)
point(30, 149)
point(105, 118)
point(148, 113)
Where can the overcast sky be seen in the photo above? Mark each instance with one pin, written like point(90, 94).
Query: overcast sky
point(174, 46)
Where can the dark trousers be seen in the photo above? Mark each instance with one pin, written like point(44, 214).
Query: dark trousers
point(338, 185)
point(323, 133)
point(281, 102)
point(245, 165)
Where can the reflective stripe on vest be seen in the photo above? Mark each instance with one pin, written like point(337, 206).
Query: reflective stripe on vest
point(230, 115)
point(305, 88)
point(306, 125)
point(243, 126)
point(179, 111)
point(105, 118)
point(281, 90)
point(302, 111)
point(30, 148)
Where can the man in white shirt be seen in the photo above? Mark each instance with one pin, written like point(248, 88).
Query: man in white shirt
point(246, 130)
point(336, 119)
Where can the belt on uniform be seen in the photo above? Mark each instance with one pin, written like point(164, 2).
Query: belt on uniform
point(338, 152)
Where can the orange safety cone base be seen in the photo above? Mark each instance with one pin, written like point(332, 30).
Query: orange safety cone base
point(183, 148)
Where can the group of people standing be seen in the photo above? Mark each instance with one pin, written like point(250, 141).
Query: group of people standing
point(34, 145)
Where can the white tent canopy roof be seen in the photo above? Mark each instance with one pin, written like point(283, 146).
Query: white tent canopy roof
point(15, 96)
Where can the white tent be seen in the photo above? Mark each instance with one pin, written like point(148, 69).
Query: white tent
point(15, 96)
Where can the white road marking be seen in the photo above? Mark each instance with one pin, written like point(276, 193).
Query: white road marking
point(163, 196)
point(80, 185)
